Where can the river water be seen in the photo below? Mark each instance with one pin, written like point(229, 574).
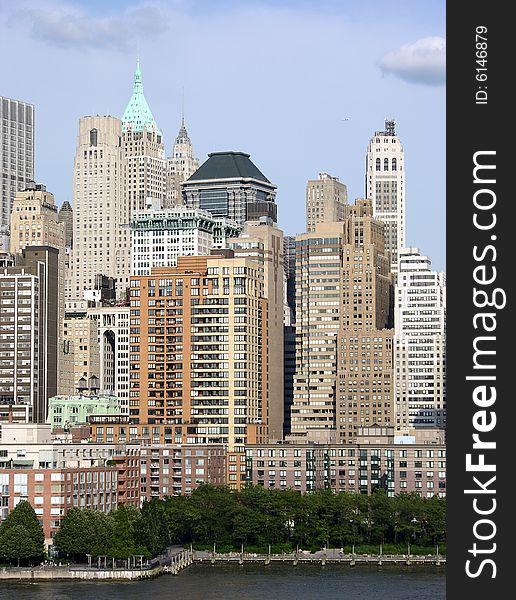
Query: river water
point(252, 582)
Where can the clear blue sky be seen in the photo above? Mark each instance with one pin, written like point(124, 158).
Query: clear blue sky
point(271, 78)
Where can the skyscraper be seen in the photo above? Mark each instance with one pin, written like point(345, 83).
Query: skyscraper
point(180, 166)
point(326, 198)
point(420, 322)
point(101, 238)
point(385, 187)
point(343, 298)
point(16, 157)
point(365, 394)
point(229, 185)
point(144, 150)
point(199, 350)
point(262, 241)
point(29, 312)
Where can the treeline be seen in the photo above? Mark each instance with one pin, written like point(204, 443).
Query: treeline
point(256, 518)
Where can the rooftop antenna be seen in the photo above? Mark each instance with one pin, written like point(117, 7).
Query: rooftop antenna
point(390, 127)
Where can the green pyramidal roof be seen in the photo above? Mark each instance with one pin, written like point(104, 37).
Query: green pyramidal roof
point(138, 114)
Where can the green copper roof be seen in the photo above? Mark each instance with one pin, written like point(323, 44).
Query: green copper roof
point(228, 165)
point(138, 113)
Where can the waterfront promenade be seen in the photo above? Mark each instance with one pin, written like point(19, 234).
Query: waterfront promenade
point(177, 559)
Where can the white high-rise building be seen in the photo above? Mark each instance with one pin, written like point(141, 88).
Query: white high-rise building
point(100, 210)
point(420, 352)
point(16, 157)
point(159, 236)
point(180, 166)
point(385, 186)
point(113, 341)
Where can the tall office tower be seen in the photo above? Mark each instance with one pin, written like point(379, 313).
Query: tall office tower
point(319, 266)
point(385, 186)
point(159, 236)
point(420, 325)
point(101, 211)
point(144, 150)
point(34, 220)
point(326, 198)
point(229, 185)
point(289, 262)
point(262, 241)
point(29, 341)
point(113, 343)
point(65, 216)
point(16, 157)
point(80, 341)
point(365, 393)
point(180, 166)
point(343, 291)
point(198, 350)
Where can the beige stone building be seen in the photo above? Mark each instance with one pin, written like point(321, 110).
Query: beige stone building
point(101, 237)
point(80, 346)
point(344, 290)
point(365, 394)
point(263, 242)
point(35, 220)
point(326, 198)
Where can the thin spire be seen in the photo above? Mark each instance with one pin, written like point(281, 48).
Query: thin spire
point(183, 108)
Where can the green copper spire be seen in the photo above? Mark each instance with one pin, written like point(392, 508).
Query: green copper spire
point(138, 114)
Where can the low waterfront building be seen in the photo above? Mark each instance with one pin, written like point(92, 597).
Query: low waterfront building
point(377, 460)
point(54, 475)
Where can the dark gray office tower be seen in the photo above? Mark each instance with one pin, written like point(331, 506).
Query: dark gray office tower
point(16, 157)
point(66, 217)
point(29, 311)
point(230, 185)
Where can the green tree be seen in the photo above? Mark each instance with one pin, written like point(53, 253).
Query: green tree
point(22, 522)
point(151, 530)
point(122, 543)
point(77, 534)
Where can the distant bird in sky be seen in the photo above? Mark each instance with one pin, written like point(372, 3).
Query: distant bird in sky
point(346, 119)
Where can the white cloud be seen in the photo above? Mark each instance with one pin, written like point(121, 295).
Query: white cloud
point(72, 27)
point(424, 61)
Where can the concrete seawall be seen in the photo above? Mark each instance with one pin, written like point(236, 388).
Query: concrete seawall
point(67, 573)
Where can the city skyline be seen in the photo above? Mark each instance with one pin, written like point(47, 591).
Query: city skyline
point(267, 124)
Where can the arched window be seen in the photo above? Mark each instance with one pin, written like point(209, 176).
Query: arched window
point(385, 164)
point(378, 164)
point(394, 164)
point(93, 137)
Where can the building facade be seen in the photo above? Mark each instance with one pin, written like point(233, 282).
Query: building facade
point(101, 238)
point(16, 157)
point(385, 187)
point(262, 242)
point(420, 325)
point(159, 236)
point(113, 343)
point(29, 320)
point(199, 350)
point(325, 200)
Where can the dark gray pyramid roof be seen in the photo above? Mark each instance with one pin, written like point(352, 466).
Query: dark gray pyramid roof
point(228, 165)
